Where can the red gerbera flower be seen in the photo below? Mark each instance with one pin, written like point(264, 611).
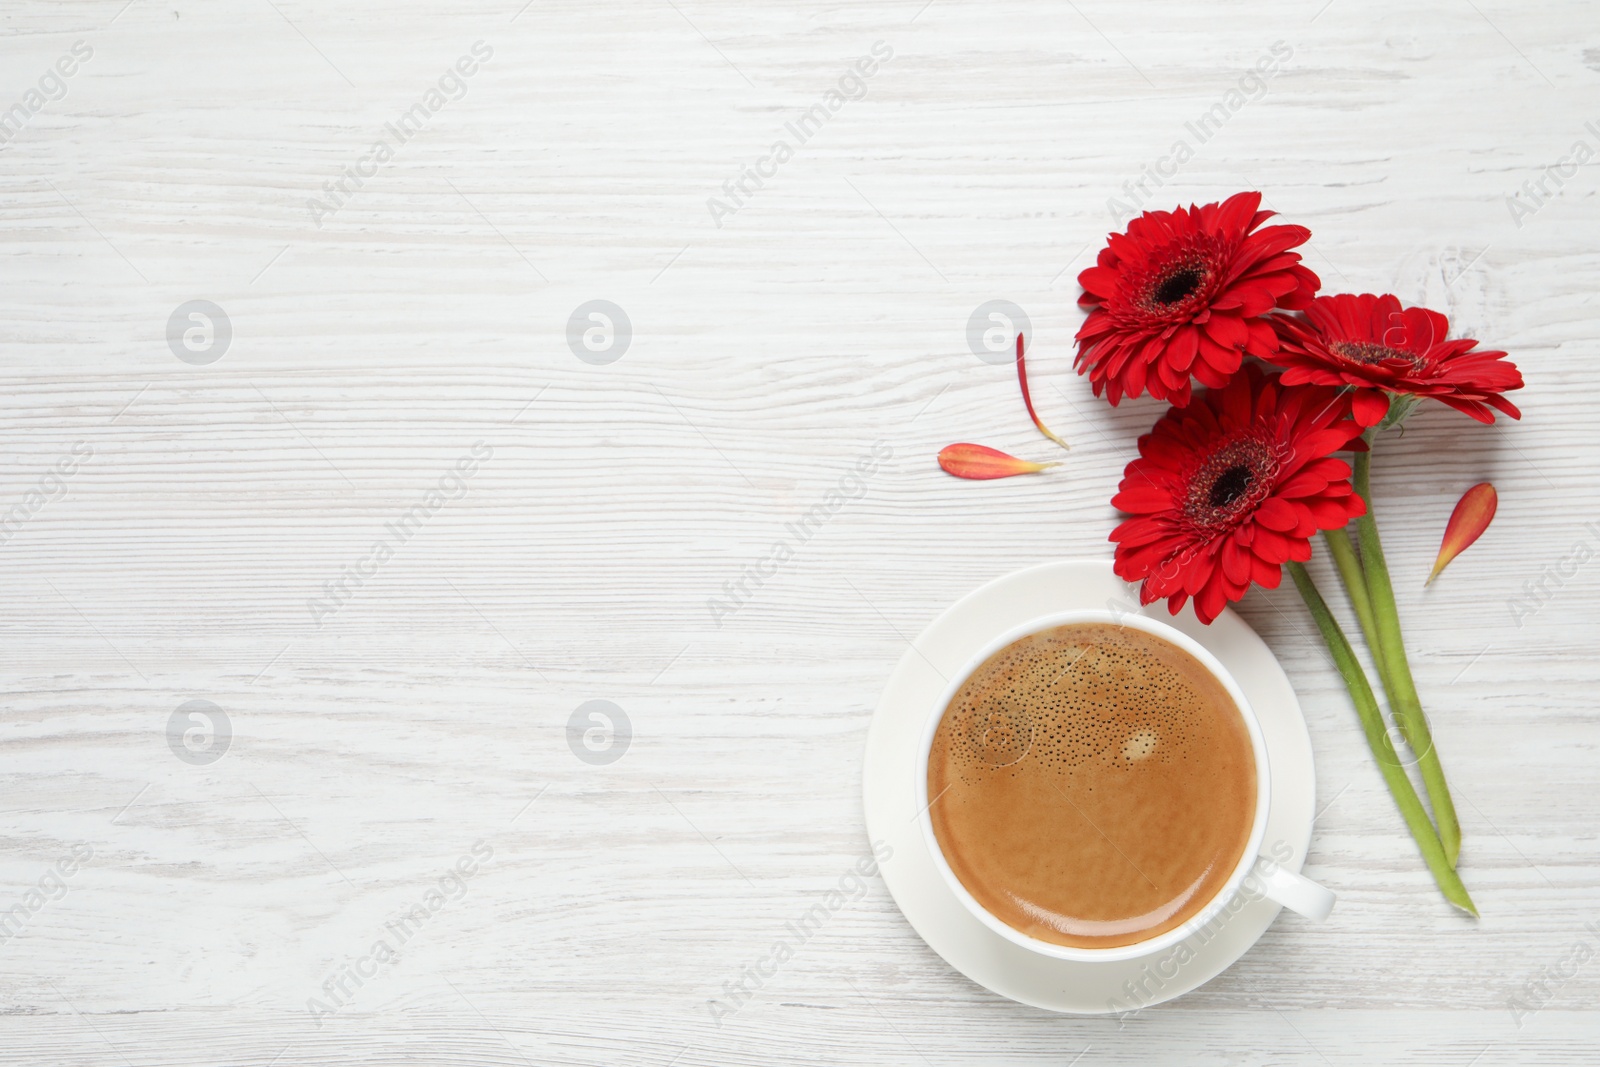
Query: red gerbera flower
point(1370, 342)
point(1183, 293)
point(1226, 490)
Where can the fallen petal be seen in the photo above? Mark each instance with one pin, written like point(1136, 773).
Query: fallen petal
point(1022, 378)
point(1467, 522)
point(980, 462)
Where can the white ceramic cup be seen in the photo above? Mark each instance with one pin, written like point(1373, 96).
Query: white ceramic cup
point(1255, 873)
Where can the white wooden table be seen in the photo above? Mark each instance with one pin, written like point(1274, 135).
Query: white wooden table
point(383, 728)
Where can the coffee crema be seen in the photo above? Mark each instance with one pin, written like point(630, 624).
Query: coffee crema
point(1092, 785)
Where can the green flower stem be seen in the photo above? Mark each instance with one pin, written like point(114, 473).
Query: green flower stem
point(1355, 580)
point(1400, 787)
point(1394, 669)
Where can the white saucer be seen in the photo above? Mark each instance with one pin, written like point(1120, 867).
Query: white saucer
point(929, 905)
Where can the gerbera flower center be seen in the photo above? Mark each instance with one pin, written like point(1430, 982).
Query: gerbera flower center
point(1231, 482)
point(1231, 485)
point(1178, 286)
point(1367, 353)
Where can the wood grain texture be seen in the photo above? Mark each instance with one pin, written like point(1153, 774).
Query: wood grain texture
point(430, 312)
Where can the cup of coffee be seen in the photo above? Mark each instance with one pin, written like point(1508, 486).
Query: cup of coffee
point(1095, 786)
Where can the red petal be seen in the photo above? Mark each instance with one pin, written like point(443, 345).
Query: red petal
point(1470, 518)
point(1099, 280)
point(1267, 575)
point(1227, 331)
point(1223, 360)
point(1142, 499)
point(1270, 545)
point(980, 462)
point(1185, 345)
point(1263, 339)
point(1027, 401)
point(1236, 563)
point(1276, 514)
point(1329, 514)
point(1210, 602)
point(1370, 406)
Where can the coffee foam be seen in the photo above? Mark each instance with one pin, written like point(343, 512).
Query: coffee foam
point(1112, 702)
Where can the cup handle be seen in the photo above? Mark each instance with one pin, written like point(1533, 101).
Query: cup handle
point(1294, 891)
